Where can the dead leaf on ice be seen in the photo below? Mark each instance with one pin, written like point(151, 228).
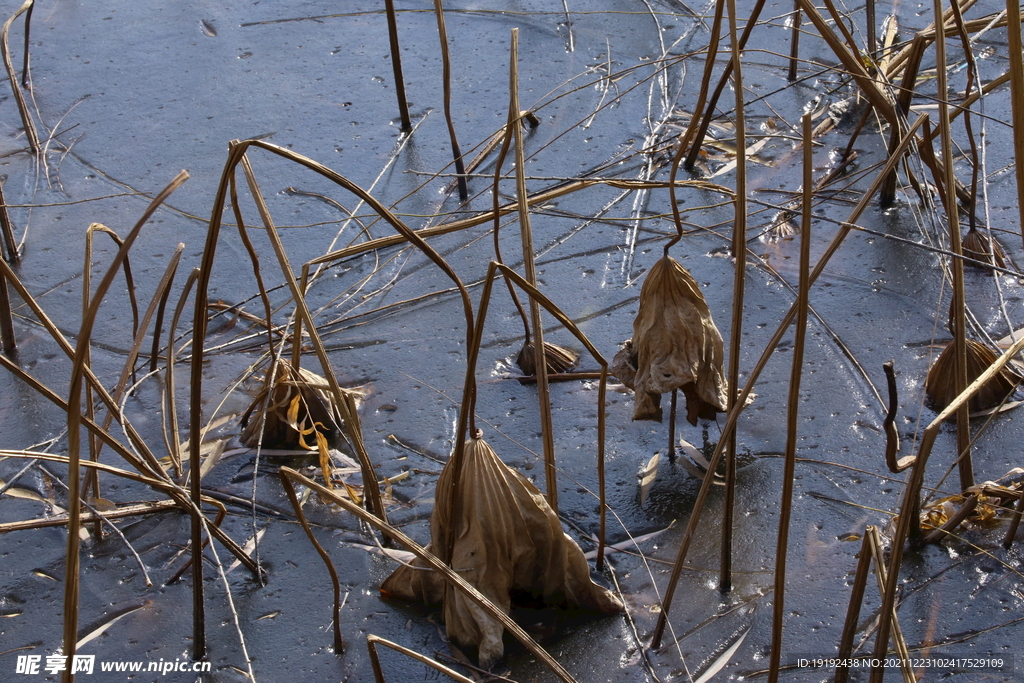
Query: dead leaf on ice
point(506, 538)
point(675, 345)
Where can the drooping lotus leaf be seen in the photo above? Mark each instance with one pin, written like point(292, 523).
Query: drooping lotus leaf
point(940, 384)
point(675, 345)
point(506, 539)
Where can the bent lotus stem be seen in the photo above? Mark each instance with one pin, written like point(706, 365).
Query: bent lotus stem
point(492, 270)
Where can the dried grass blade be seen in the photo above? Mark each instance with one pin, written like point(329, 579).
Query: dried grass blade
point(867, 84)
point(959, 321)
point(7, 231)
point(71, 576)
point(7, 338)
point(860, 582)
point(456, 581)
point(878, 557)
point(171, 432)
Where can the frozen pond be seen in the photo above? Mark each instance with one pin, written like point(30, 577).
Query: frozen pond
point(124, 95)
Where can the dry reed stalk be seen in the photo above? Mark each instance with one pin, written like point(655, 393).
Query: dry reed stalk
point(237, 151)
point(868, 85)
point(860, 582)
point(793, 407)
point(559, 190)
point(526, 235)
point(373, 641)
point(1011, 532)
point(451, 577)
point(446, 77)
point(869, 12)
point(172, 434)
point(694, 126)
point(7, 339)
point(24, 59)
point(739, 252)
point(344, 401)
point(892, 436)
point(602, 387)
point(959, 322)
point(1016, 71)
point(71, 575)
point(339, 642)
point(396, 65)
point(557, 359)
point(19, 97)
point(149, 470)
point(911, 505)
point(928, 33)
point(709, 112)
point(887, 195)
point(7, 230)
point(705, 488)
point(794, 41)
point(119, 513)
point(900, 644)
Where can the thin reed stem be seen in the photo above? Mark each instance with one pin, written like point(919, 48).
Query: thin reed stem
point(446, 76)
point(7, 231)
point(74, 413)
point(7, 338)
point(696, 123)
point(526, 234)
point(19, 97)
point(339, 643)
point(739, 252)
point(373, 641)
point(959, 321)
point(860, 582)
point(1013, 38)
point(794, 42)
point(396, 65)
point(793, 409)
point(709, 112)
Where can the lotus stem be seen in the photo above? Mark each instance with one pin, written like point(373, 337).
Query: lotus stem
point(739, 251)
point(860, 582)
point(793, 409)
point(396, 65)
point(705, 487)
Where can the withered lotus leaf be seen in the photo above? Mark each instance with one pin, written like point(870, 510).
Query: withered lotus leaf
point(940, 384)
point(675, 345)
point(506, 538)
point(297, 404)
point(978, 246)
point(557, 358)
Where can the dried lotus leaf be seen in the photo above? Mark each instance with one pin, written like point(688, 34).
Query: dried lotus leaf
point(507, 540)
point(300, 404)
point(558, 359)
point(977, 246)
point(677, 345)
point(623, 365)
point(940, 384)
